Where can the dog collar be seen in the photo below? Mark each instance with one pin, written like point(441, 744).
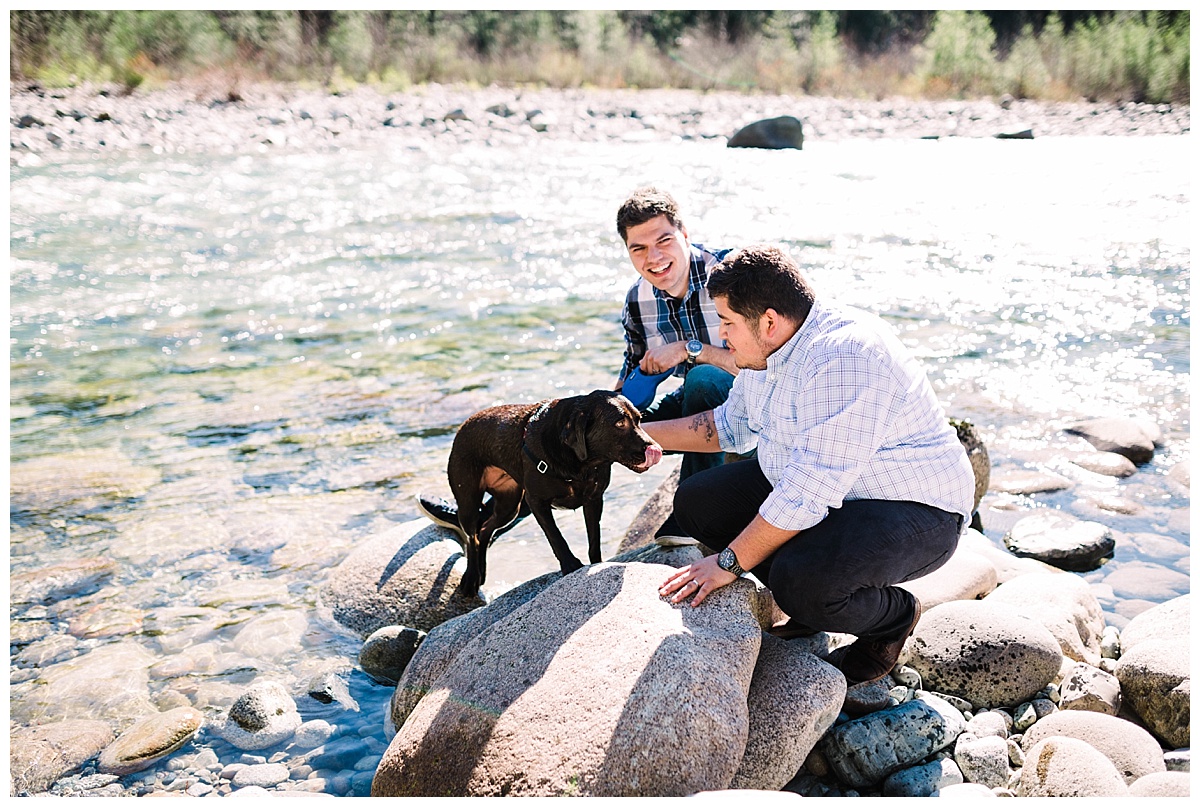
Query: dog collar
point(542, 466)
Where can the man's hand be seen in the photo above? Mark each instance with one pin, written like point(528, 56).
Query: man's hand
point(697, 581)
point(663, 358)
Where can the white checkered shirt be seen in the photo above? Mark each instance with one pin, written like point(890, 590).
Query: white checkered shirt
point(842, 412)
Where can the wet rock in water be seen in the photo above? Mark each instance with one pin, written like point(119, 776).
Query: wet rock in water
point(62, 580)
point(313, 733)
point(331, 687)
point(784, 132)
point(1061, 540)
point(1107, 463)
point(263, 716)
point(1156, 682)
point(76, 482)
point(983, 652)
point(50, 650)
point(439, 649)
point(110, 682)
point(1090, 689)
point(923, 780)
point(272, 636)
point(38, 756)
point(1124, 436)
point(1026, 482)
point(1181, 475)
point(408, 575)
point(1064, 766)
point(1165, 784)
point(106, 619)
point(794, 697)
point(1136, 580)
point(966, 576)
point(387, 651)
point(1065, 604)
point(149, 740)
point(865, 751)
point(1129, 747)
point(595, 687)
point(267, 774)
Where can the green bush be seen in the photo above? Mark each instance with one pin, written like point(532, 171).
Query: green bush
point(959, 49)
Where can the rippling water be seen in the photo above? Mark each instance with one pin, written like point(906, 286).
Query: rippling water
point(259, 360)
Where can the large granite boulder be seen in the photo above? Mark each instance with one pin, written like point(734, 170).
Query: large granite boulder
point(440, 647)
point(1129, 747)
point(1061, 540)
point(1065, 604)
point(983, 652)
point(1125, 436)
point(968, 575)
point(1006, 564)
point(1064, 766)
point(794, 697)
point(784, 132)
point(1155, 670)
point(1175, 784)
point(1156, 682)
point(38, 756)
point(597, 686)
point(408, 575)
point(652, 515)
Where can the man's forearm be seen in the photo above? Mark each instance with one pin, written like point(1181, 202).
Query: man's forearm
point(758, 541)
point(718, 357)
point(693, 433)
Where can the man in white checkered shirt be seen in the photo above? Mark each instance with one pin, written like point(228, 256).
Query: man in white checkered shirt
point(859, 482)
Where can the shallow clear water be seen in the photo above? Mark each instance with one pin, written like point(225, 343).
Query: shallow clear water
point(270, 353)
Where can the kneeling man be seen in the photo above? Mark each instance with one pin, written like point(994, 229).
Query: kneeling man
point(858, 483)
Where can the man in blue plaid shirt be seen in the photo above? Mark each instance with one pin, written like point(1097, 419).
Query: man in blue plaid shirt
point(670, 321)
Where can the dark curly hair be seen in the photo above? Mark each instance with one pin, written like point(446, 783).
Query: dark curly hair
point(760, 277)
point(644, 204)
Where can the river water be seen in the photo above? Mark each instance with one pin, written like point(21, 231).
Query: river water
point(227, 371)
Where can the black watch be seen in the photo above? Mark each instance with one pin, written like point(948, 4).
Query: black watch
point(728, 561)
point(693, 350)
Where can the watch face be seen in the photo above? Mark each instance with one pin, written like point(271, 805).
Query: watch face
point(694, 347)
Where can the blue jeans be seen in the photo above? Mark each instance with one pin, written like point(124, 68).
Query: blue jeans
point(705, 387)
point(839, 575)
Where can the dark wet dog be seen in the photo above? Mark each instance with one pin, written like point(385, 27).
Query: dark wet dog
point(556, 453)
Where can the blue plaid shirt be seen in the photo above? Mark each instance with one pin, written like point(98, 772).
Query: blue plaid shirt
point(653, 318)
point(842, 412)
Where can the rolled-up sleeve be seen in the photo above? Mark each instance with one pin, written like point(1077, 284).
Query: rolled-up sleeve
point(733, 426)
point(847, 411)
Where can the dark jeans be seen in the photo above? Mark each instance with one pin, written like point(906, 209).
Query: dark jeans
point(705, 387)
point(839, 575)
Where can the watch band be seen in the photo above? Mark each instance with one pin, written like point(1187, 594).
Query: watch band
point(728, 561)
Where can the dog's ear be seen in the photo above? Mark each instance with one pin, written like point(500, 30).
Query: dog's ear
point(574, 436)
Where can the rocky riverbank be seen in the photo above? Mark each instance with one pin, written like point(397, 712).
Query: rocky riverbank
point(1012, 661)
point(48, 123)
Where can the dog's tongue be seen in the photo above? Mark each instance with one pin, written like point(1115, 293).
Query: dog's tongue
point(653, 455)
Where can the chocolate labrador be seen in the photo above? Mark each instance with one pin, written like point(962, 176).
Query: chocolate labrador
point(557, 453)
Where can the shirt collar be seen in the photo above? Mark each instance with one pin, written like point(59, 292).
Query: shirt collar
point(796, 348)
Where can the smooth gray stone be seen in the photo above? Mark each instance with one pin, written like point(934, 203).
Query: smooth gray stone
point(923, 781)
point(784, 132)
point(863, 752)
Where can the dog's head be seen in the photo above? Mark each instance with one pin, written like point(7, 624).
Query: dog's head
point(604, 426)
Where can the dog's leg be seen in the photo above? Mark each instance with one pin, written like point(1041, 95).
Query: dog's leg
point(567, 562)
point(469, 499)
point(592, 510)
point(507, 503)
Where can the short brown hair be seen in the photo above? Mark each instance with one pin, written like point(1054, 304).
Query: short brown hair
point(644, 204)
point(760, 277)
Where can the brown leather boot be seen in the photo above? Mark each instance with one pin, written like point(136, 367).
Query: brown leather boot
point(870, 659)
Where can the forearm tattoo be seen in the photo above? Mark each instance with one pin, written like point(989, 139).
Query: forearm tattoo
point(702, 424)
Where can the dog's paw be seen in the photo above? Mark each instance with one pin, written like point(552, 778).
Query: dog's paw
point(569, 566)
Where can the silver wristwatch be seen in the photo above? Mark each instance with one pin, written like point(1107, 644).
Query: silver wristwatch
point(693, 350)
point(728, 561)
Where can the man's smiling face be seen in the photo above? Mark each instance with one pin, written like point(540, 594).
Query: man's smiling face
point(659, 251)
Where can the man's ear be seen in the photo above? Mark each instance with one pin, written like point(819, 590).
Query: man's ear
point(683, 230)
point(574, 435)
point(768, 323)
